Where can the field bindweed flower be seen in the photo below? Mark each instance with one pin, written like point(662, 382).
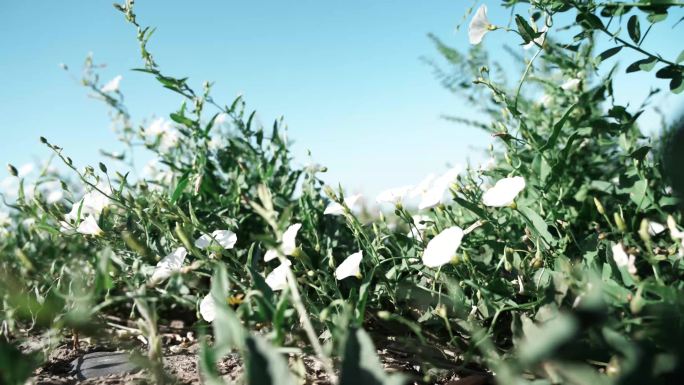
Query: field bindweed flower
point(435, 193)
point(335, 208)
point(479, 25)
point(168, 265)
point(622, 259)
point(442, 248)
point(571, 85)
point(207, 308)
point(350, 266)
point(504, 192)
point(394, 196)
point(225, 238)
point(112, 85)
point(277, 279)
point(89, 226)
point(655, 228)
point(288, 244)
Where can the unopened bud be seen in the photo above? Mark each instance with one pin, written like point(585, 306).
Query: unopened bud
point(384, 315)
point(643, 231)
point(619, 222)
point(599, 207)
point(12, 170)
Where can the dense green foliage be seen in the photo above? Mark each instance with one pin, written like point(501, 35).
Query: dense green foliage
point(574, 279)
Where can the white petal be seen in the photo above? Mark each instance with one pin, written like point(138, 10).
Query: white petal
point(207, 308)
point(225, 238)
point(423, 186)
point(203, 242)
point(350, 266)
point(394, 195)
point(277, 279)
point(655, 228)
point(88, 226)
point(619, 255)
point(289, 243)
point(335, 208)
point(168, 265)
point(442, 248)
point(112, 85)
point(25, 169)
point(479, 25)
point(434, 195)
point(270, 255)
point(504, 192)
point(55, 196)
point(571, 85)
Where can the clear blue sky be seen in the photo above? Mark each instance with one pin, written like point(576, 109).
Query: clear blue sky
point(346, 76)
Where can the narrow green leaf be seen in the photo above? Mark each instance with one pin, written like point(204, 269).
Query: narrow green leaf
point(182, 184)
point(265, 366)
point(634, 29)
point(525, 29)
point(608, 53)
point(557, 129)
point(360, 363)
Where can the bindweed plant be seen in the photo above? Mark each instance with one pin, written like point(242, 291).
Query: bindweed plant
point(557, 262)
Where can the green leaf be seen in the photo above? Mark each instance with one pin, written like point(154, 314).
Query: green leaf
point(360, 363)
point(642, 65)
point(676, 84)
point(608, 53)
point(265, 366)
point(16, 366)
point(537, 223)
point(634, 29)
point(668, 72)
point(548, 339)
point(525, 29)
point(207, 364)
point(228, 331)
point(557, 129)
point(182, 184)
point(680, 58)
point(589, 21)
point(640, 153)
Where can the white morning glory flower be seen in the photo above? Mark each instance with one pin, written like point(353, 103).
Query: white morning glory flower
point(394, 195)
point(277, 279)
point(112, 85)
point(504, 192)
point(207, 308)
point(88, 226)
point(335, 208)
point(288, 244)
point(350, 266)
point(169, 265)
point(622, 259)
point(25, 169)
point(479, 25)
point(655, 228)
point(225, 238)
point(442, 248)
point(434, 195)
point(571, 85)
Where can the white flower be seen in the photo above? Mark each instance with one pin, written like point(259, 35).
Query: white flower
point(434, 195)
point(350, 266)
point(225, 238)
point(54, 196)
point(112, 85)
point(504, 192)
point(335, 208)
point(277, 279)
point(394, 195)
point(571, 85)
point(538, 41)
point(479, 25)
point(546, 100)
point(221, 119)
point(423, 186)
point(207, 308)
point(622, 259)
point(168, 265)
point(655, 228)
point(91, 204)
point(88, 226)
point(288, 244)
point(442, 248)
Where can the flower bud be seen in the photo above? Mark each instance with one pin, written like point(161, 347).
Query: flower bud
point(619, 222)
point(643, 231)
point(384, 315)
point(599, 207)
point(12, 170)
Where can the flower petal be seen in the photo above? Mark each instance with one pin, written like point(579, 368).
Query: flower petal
point(168, 265)
point(504, 192)
point(277, 279)
point(442, 248)
point(207, 308)
point(289, 242)
point(479, 25)
point(350, 266)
